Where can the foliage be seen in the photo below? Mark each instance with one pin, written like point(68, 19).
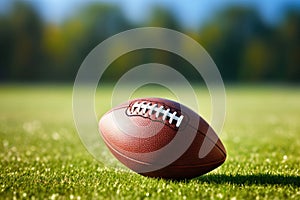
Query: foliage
point(244, 47)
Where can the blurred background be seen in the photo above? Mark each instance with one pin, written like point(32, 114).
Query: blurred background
point(250, 40)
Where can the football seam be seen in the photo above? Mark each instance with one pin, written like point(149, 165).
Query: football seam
point(196, 166)
point(150, 106)
point(209, 139)
point(165, 105)
point(156, 120)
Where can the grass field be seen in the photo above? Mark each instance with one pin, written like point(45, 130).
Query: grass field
point(42, 156)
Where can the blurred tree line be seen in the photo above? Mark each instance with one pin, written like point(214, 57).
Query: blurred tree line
point(244, 47)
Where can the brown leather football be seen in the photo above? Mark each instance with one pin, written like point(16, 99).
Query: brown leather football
point(157, 137)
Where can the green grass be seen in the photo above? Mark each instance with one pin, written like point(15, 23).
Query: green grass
point(41, 155)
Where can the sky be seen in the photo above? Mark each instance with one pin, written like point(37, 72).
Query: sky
point(191, 13)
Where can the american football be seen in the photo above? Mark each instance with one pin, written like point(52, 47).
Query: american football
point(158, 137)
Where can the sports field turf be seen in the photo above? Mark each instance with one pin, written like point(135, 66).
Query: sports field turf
point(41, 155)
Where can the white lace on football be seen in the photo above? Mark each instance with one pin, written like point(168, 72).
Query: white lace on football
point(158, 110)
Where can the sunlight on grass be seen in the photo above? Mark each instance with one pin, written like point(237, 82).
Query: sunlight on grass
point(42, 155)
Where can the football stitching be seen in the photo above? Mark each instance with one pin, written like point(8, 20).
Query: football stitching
point(150, 108)
point(130, 106)
point(186, 124)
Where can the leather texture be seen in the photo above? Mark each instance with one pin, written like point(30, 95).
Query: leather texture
point(143, 141)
